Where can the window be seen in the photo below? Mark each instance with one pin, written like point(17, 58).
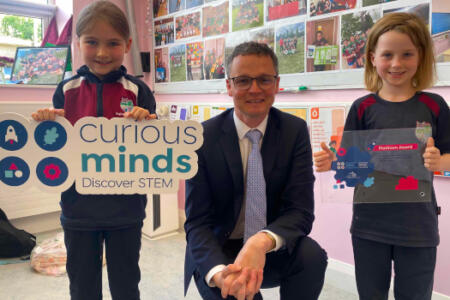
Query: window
point(22, 23)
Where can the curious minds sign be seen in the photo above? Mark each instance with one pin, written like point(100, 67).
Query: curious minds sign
point(117, 156)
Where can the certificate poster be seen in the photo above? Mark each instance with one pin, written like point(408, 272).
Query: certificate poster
point(321, 7)
point(194, 61)
point(214, 59)
point(326, 125)
point(215, 19)
point(162, 64)
point(354, 32)
point(290, 48)
point(164, 32)
point(322, 40)
point(178, 63)
point(384, 165)
point(279, 9)
point(247, 14)
point(160, 8)
point(188, 26)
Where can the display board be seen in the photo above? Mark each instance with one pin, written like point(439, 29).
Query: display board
point(320, 43)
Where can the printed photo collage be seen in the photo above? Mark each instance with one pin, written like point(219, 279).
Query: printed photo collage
point(192, 38)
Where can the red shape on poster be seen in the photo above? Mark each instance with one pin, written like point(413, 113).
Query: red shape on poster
point(283, 11)
point(408, 183)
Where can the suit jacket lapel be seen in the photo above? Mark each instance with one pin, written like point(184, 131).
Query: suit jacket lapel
point(271, 144)
point(229, 142)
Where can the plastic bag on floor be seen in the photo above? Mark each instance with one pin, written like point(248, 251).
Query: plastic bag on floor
point(49, 257)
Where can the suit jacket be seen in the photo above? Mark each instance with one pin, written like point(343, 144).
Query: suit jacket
point(214, 196)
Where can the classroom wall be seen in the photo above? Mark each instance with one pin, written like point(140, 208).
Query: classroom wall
point(331, 228)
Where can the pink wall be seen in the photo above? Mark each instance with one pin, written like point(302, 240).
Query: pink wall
point(331, 227)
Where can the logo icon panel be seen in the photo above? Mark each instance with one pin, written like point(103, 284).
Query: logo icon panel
point(50, 136)
point(13, 135)
point(14, 171)
point(52, 171)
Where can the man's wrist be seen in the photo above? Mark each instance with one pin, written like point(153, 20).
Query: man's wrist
point(272, 239)
point(209, 278)
point(263, 240)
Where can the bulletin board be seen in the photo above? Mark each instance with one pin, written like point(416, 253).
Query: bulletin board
point(319, 43)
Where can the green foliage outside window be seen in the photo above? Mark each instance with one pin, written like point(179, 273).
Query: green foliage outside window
point(19, 27)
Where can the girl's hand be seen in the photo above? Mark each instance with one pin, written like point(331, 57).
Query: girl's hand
point(323, 159)
point(139, 114)
point(432, 156)
point(45, 114)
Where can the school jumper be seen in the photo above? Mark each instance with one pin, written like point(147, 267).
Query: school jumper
point(405, 232)
point(88, 220)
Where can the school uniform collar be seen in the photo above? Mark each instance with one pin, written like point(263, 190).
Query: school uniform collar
point(108, 78)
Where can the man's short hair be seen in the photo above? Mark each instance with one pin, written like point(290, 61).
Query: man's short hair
point(252, 48)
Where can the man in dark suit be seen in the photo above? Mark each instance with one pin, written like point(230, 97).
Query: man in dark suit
point(224, 259)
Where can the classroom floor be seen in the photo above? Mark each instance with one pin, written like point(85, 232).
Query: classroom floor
point(161, 264)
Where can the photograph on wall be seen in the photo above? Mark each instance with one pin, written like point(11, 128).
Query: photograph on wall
point(326, 125)
point(322, 45)
point(193, 3)
point(290, 48)
point(40, 65)
point(440, 29)
point(214, 59)
point(263, 35)
point(194, 61)
point(373, 2)
point(160, 8)
point(354, 32)
point(321, 7)
point(178, 63)
point(234, 39)
point(176, 5)
point(215, 19)
point(188, 25)
point(420, 10)
point(247, 14)
point(279, 9)
point(162, 65)
point(164, 32)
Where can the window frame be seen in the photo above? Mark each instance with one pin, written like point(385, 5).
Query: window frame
point(29, 9)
